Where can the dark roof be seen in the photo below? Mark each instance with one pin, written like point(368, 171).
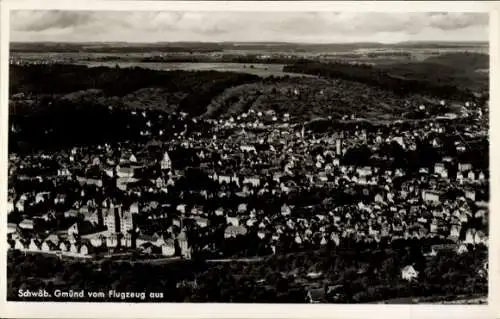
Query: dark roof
point(317, 294)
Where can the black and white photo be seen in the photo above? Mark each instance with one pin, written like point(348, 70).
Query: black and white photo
point(329, 157)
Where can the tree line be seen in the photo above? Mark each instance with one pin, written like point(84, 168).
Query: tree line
point(365, 275)
point(403, 79)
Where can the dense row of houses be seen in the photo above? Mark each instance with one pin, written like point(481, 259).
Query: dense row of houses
point(247, 168)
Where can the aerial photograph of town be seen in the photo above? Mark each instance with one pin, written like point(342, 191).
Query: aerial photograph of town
point(248, 157)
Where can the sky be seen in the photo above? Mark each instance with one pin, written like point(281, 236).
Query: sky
point(317, 27)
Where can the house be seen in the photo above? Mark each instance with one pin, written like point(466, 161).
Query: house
point(201, 221)
point(242, 208)
point(379, 198)
point(20, 205)
point(40, 197)
point(234, 231)
point(64, 246)
point(454, 232)
point(431, 253)
point(51, 243)
point(20, 244)
point(96, 161)
point(159, 182)
point(10, 206)
point(233, 220)
point(181, 208)
point(481, 176)
point(431, 196)
point(470, 194)
point(116, 220)
point(285, 210)
point(71, 213)
point(334, 237)
point(185, 249)
point(166, 162)
point(109, 171)
point(315, 295)
point(97, 239)
point(112, 240)
point(471, 176)
point(80, 228)
point(423, 170)
point(168, 248)
point(11, 228)
point(92, 216)
point(481, 213)
point(34, 245)
point(134, 208)
point(480, 238)
point(444, 248)
point(253, 180)
point(74, 248)
point(126, 240)
point(247, 148)
point(89, 181)
point(60, 199)
point(463, 167)
point(148, 248)
point(469, 236)
point(362, 180)
point(409, 273)
point(323, 241)
point(439, 168)
point(261, 234)
point(48, 216)
point(126, 221)
point(483, 271)
point(462, 249)
point(122, 183)
point(225, 179)
point(142, 239)
point(124, 171)
point(26, 224)
point(314, 275)
point(63, 172)
point(85, 249)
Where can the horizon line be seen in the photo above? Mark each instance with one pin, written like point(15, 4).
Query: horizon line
point(251, 42)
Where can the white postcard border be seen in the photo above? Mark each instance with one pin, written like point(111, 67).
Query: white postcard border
point(131, 310)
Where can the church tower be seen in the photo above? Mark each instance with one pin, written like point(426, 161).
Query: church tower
point(166, 162)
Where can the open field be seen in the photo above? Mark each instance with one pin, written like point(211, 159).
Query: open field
point(248, 53)
point(262, 70)
point(241, 47)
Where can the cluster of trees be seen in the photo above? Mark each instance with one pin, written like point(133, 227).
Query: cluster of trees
point(365, 275)
point(425, 155)
point(113, 48)
point(311, 98)
point(459, 69)
point(61, 79)
point(428, 78)
point(75, 104)
point(470, 60)
point(224, 58)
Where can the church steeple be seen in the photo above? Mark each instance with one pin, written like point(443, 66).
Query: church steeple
point(166, 162)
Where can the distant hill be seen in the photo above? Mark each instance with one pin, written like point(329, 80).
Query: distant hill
point(124, 47)
point(467, 61)
point(459, 69)
point(307, 99)
point(450, 76)
point(72, 103)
